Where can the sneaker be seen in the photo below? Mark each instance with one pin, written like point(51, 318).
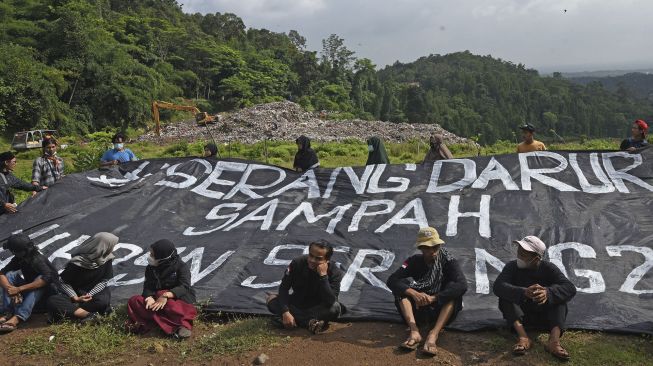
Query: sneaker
point(317, 326)
point(183, 333)
point(91, 319)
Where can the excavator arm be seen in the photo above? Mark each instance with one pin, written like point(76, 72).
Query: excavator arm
point(156, 105)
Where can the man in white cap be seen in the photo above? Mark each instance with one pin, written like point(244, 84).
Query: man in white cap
point(534, 293)
point(428, 290)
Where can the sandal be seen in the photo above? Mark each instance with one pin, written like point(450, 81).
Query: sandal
point(411, 344)
point(557, 351)
point(7, 328)
point(522, 345)
point(430, 349)
point(317, 326)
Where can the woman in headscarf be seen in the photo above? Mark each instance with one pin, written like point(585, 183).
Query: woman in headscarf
point(438, 150)
point(210, 150)
point(24, 281)
point(167, 299)
point(638, 131)
point(376, 152)
point(8, 180)
point(83, 283)
point(305, 158)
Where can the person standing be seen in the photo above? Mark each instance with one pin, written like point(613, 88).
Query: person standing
point(534, 293)
point(119, 154)
point(376, 152)
point(305, 158)
point(529, 144)
point(8, 181)
point(637, 140)
point(48, 168)
point(438, 150)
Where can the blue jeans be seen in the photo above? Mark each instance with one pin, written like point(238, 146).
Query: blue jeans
point(30, 298)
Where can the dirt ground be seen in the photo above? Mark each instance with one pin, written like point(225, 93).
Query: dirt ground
point(360, 343)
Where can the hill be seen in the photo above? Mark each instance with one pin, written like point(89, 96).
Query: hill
point(636, 84)
point(87, 65)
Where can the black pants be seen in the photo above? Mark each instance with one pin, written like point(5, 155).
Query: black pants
point(535, 316)
point(427, 315)
point(303, 315)
point(60, 307)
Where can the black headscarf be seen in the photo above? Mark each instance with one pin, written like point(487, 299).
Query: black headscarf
point(165, 252)
point(378, 155)
point(212, 148)
point(305, 158)
point(21, 246)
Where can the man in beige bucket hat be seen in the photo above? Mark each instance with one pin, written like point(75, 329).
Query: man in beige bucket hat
point(428, 290)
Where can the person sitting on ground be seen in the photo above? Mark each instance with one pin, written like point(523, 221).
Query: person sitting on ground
point(48, 168)
point(438, 150)
point(529, 144)
point(210, 150)
point(428, 290)
point(8, 180)
point(24, 281)
point(84, 294)
point(305, 158)
point(639, 130)
point(534, 293)
point(315, 284)
point(119, 154)
point(376, 152)
point(168, 298)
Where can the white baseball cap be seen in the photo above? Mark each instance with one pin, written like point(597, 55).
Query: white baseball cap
point(532, 244)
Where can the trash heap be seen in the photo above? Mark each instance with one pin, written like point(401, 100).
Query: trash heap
point(285, 121)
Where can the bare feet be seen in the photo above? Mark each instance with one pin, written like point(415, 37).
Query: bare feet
point(413, 341)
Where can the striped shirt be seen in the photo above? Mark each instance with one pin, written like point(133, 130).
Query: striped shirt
point(45, 172)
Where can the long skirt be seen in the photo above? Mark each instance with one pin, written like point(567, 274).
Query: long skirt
point(175, 314)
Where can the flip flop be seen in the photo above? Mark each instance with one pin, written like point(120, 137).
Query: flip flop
point(558, 352)
point(430, 349)
point(522, 345)
point(7, 328)
point(411, 344)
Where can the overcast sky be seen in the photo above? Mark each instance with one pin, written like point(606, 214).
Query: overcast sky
point(591, 35)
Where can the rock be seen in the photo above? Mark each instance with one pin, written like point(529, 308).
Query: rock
point(287, 120)
point(156, 348)
point(261, 359)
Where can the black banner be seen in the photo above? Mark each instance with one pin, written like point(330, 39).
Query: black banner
point(239, 223)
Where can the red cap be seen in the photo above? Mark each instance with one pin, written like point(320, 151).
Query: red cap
point(642, 126)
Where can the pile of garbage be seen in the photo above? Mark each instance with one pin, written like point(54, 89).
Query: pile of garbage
point(285, 121)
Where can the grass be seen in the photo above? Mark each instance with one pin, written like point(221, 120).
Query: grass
point(72, 343)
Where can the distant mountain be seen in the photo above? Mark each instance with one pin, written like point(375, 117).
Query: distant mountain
point(636, 84)
point(604, 73)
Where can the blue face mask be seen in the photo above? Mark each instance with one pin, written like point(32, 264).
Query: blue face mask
point(118, 146)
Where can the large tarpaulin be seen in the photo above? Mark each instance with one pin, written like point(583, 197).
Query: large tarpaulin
point(240, 222)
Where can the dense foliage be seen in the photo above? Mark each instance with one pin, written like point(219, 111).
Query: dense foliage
point(84, 65)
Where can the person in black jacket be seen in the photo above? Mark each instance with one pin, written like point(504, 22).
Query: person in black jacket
point(24, 281)
point(8, 180)
point(167, 299)
point(428, 290)
point(315, 282)
point(305, 158)
point(534, 293)
point(83, 292)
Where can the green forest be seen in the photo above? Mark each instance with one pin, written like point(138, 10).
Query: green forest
point(87, 65)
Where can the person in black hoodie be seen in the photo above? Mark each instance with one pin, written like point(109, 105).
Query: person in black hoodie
point(428, 290)
point(83, 286)
point(315, 284)
point(8, 180)
point(305, 158)
point(167, 299)
point(24, 281)
point(534, 293)
point(376, 153)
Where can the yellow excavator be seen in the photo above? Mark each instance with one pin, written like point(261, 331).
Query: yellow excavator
point(202, 118)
